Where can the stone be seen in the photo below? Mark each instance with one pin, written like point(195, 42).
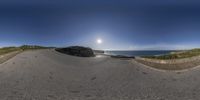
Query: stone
point(77, 51)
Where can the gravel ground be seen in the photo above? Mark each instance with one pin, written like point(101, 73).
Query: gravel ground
point(49, 75)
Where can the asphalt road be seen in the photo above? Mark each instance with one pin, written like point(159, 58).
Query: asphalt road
point(49, 75)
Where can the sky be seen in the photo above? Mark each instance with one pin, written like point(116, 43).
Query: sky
point(120, 24)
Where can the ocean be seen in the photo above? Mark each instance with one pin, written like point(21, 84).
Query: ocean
point(139, 53)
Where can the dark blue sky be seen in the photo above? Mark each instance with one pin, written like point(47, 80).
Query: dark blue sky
point(121, 24)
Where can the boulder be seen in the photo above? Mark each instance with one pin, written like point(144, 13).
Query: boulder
point(77, 51)
point(98, 51)
point(121, 56)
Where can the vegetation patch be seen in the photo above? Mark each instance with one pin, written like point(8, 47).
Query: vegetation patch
point(9, 52)
point(173, 61)
point(177, 55)
point(170, 66)
point(32, 47)
point(6, 50)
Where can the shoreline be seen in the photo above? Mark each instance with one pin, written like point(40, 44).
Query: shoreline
point(166, 64)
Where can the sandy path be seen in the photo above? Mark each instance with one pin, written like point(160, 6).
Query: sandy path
point(49, 75)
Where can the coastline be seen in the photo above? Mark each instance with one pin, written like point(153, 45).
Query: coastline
point(164, 64)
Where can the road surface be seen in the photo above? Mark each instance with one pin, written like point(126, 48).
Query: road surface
point(49, 75)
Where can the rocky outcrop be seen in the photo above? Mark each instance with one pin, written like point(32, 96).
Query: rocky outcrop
point(99, 51)
point(77, 51)
point(121, 56)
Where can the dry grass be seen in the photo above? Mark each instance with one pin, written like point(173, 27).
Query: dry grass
point(8, 50)
point(178, 66)
point(177, 55)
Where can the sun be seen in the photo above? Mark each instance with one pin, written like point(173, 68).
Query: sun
point(99, 41)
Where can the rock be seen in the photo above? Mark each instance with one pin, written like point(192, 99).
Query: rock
point(99, 51)
point(121, 56)
point(77, 51)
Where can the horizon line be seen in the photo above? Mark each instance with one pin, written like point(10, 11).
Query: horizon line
point(105, 49)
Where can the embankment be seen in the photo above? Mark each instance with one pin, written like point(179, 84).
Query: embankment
point(173, 64)
point(7, 56)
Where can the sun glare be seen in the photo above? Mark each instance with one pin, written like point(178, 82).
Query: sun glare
point(99, 41)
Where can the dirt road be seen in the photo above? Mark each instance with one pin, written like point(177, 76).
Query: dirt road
point(49, 75)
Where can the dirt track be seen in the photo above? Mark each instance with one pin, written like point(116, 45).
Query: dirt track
point(49, 75)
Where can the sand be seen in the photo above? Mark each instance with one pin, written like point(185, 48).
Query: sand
point(49, 75)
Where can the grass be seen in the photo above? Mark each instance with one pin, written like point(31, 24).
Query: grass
point(32, 47)
point(177, 55)
point(6, 50)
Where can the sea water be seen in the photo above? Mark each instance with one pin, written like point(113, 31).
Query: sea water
point(139, 53)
